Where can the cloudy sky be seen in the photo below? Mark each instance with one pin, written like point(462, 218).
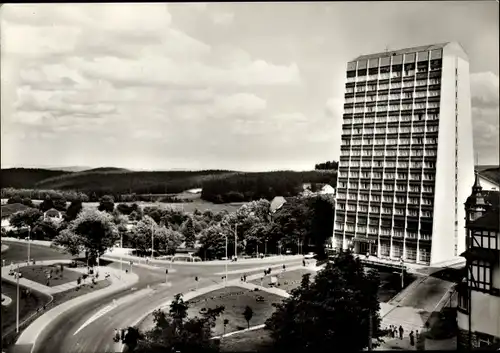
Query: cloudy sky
point(245, 86)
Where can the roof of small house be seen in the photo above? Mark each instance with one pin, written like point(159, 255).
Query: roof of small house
point(52, 211)
point(276, 203)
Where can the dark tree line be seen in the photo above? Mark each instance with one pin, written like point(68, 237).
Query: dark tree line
point(333, 165)
point(254, 186)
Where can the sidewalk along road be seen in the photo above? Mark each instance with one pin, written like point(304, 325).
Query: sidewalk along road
point(241, 262)
point(18, 252)
point(28, 339)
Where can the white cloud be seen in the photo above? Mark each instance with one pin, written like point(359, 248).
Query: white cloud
point(222, 18)
point(484, 89)
point(238, 105)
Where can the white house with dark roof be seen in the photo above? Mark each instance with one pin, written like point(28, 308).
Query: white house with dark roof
point(53, 215)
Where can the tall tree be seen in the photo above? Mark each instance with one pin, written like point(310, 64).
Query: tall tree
point(332, 311)
point(92, 231)
point(142, 233)
point(187, 229)
point(106, 204)
point(248, 314)
point(15, 199)
point(46, 204)
point(73, 210)
point(174, 331)
point(27, 218)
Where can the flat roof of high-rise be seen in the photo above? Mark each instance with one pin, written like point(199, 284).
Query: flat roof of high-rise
point(402, 51)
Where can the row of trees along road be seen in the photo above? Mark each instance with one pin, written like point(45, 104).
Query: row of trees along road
point(301, 224)
point(338, 309)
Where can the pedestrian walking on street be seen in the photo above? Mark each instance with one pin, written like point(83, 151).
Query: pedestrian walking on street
point(122, 334)
point(401, 331)
point(284, 267)
point(417, 335)
point(394, 331)
point(304, 263)
point(412, 338)
point(244, 278)
point(390, 331)
point(116, 338)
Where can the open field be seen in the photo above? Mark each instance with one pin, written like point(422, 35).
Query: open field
point(27, 306)
point(235, 299)
point(249, 341)
point(39, 274)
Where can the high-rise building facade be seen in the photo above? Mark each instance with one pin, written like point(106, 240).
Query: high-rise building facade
point(406, 158)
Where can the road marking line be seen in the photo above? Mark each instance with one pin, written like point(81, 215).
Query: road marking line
point(112, 306)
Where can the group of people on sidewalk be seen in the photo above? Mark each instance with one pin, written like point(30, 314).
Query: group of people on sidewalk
point(393, 333)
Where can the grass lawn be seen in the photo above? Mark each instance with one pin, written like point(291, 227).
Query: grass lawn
point(26, 306)
point(235, 299)
point(39, 274)
point(288, 280)
point(249, 341)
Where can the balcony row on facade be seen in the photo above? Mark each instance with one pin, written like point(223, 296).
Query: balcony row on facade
point(396, 63)
point(360, 180)
point(383, 97)
point(385, 199)
point(400, 176)
point(367, 136)
point(376, 87)
point(391, 108)
point(385, 182)
point(362, 76)
point(396, 233)
point(392, 118)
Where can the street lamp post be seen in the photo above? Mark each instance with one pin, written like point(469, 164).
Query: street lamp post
point(29, 244)
point(265, 250)
point(152, 240)
point(225, 277)
point(236, 241)
point(121, 253)
point(17, 303)
point(402, 273)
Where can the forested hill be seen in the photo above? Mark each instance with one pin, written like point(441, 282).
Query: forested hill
point(218, 186)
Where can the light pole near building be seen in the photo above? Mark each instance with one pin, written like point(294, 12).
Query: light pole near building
point(152, 240)
point(121, 254)
point(402, 273)
point(265, 250)
point(29, 244)
point(225, 277)
point(17, 303)
point(236, 241)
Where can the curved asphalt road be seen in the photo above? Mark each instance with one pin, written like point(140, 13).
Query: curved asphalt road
point(58, 337)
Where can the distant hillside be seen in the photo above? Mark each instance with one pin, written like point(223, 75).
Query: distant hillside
point(26, 178)
point(69, 169)
point(492, 173)
point(120, 181)
point(253, 186)
point(106, 169)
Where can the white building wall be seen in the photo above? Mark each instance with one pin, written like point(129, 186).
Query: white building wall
point(465, 145)
point(444, 197)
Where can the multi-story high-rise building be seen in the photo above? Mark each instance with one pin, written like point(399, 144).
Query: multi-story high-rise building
point(406, 159)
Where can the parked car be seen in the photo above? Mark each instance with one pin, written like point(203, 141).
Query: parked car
point(309, 255)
